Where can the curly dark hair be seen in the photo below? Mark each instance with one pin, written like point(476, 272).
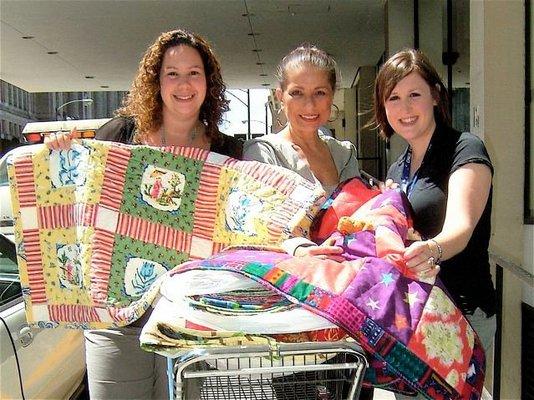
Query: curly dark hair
point(144, 102)
point(396, 68)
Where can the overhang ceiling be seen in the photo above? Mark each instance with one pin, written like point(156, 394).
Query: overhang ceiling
point(106, 39)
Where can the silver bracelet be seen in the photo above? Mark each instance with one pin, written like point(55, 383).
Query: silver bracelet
point(440, 251)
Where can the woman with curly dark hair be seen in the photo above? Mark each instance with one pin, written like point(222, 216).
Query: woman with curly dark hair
point(176, 99)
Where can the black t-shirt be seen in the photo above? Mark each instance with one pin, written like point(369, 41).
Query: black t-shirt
point(121, 130)
point(466, 275)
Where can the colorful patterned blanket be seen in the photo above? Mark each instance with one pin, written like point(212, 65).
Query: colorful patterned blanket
point(416, 338)
point(98, 224)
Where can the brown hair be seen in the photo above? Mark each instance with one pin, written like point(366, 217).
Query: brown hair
point(396, 68)
point(311, 55)
point(144, 102)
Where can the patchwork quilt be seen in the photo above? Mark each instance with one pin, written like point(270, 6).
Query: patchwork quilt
point(98, 224)
point(416, 338)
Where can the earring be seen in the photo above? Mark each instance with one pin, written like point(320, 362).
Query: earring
point(278, 117)
point(336, 113)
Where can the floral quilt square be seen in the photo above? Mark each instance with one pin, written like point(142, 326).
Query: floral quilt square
point(162, 188)
point(135, 267)
point(445, 338)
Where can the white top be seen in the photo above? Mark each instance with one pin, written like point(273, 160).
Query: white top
point(275, 150)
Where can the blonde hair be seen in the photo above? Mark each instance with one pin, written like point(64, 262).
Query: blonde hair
point(307, 54)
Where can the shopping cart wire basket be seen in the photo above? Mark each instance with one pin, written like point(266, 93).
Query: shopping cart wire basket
point(288, 371)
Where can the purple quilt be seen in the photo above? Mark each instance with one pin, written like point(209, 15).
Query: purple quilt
point(416, 338)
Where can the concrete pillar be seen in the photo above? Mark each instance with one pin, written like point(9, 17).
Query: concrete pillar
point(367, 141)
point(497, 116)
point(349, 106)
point(399, 26)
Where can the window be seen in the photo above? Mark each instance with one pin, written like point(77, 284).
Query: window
point(9, 274)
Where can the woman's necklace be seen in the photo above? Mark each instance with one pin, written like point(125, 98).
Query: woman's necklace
point(192, 136)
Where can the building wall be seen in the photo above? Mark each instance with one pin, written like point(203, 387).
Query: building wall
point(18, 107)
point(497, 107)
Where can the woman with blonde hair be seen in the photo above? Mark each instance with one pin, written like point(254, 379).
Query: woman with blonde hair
point(307, 79)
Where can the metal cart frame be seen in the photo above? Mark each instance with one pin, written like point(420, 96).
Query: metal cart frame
point(310, 370)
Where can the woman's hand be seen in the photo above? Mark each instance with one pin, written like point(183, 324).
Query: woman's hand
point(61, 140)
point(421, 258)
point(325, 251)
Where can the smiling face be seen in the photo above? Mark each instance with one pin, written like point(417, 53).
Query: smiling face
point(182, 82)
point(306, 98)
point(410, 108)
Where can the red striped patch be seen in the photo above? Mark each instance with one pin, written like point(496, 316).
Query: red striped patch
point(189, 152)
point(57, 216)
point(149, 232)
point(34, 266)
point(114, 177)
point(69, 313)
point(103, 243)
point(25, 182)
point(85, 214)
point(206, 202)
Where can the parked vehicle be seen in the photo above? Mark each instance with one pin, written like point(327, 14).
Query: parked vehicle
point(35, 132)
point(34, 363)
point(6, 216)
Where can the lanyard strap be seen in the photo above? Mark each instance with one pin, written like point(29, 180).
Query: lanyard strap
point(408, 184)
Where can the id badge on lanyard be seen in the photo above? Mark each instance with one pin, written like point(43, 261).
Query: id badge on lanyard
point(408, 184)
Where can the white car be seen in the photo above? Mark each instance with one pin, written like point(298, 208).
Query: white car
point(34, 363)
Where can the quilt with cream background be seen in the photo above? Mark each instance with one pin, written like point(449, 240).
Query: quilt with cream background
point(98, 224)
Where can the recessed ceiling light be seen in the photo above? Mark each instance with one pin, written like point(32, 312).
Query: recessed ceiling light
point(89, 77)
point(28, 37)
point(51, 52)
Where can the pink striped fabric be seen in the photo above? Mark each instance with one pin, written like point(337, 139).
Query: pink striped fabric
point(34, 265)
point(114, 176)
point(67, 313)
point(101, 265)
point(58, 216)
point(206, 202)
point(25, 182)
point(149, 232)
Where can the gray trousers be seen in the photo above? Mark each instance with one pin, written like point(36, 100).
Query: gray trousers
point(117, 368)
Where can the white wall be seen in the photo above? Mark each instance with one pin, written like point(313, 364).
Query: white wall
point(497, 101)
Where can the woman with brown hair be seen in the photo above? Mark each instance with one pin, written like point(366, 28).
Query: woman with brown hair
point(176, 99)
point(447, 177)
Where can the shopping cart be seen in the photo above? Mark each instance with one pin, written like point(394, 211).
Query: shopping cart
point(303, 371)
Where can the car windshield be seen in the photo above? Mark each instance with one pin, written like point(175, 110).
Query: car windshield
point(3, 173)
